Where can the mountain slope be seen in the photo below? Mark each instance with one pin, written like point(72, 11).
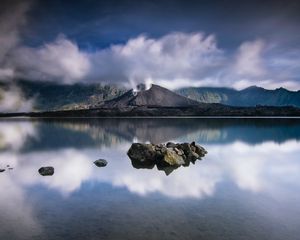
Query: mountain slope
point(156, 96)
point(54, 96)
point(250, 96)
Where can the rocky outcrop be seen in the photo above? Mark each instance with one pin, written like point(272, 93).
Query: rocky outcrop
point(100, 163)
point(46, 171)
point(166, 157)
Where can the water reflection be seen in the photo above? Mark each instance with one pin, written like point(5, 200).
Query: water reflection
point(111, 132)
point(257, 157)
point(251, 167)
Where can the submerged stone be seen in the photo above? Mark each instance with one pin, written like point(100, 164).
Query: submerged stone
point(46, 171)
point(100, 163)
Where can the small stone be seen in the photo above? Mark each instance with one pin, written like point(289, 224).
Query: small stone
point(100, 163)
point(46, 171)
point(2, 170)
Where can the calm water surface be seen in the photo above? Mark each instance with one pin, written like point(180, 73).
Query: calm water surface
point(246, 187)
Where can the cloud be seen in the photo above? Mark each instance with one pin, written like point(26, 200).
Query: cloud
point(171, 57)
point(174, 60)
point(249, 59)
point(12, 19)
point(60, 61)
point(174, 56)
point(13, 100)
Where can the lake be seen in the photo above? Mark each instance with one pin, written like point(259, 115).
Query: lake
point(246, 187)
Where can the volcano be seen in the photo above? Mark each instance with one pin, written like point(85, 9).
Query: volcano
point(156, 96)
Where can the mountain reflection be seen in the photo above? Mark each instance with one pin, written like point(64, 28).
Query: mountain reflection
point(203, 130)
point(59, 134)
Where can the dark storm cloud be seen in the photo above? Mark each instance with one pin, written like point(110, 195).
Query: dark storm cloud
point(100, 23)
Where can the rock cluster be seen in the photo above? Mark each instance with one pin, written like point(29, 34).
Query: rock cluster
point(166, 157)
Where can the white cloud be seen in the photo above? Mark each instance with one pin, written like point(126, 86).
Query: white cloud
point(249, 59)
point(172, 57)
point(60, 60)
point(12, 100)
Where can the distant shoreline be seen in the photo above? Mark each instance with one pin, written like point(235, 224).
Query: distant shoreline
point(203, 111)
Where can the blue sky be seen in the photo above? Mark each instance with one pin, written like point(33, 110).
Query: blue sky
point(101, 23)
point(172, 43)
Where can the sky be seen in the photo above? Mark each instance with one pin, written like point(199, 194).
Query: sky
point(172, 43)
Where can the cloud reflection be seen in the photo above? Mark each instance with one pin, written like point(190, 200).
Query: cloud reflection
point(252, 168)
point(14, 134)
point(17, 214)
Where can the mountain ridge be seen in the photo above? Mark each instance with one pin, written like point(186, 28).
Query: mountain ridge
point(161, 102)
point(250, 96)
point(53, 96)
